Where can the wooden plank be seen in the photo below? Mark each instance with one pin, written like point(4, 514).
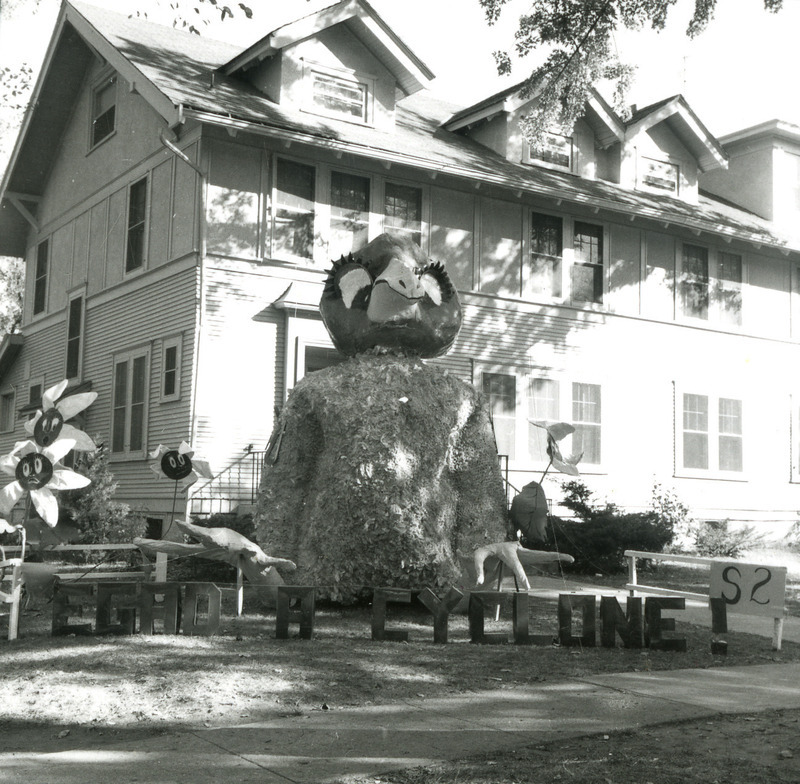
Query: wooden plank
point(665, 591)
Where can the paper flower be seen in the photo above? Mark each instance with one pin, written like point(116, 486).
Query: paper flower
point(179, 465)
point(50, 424)
point(555, 433)
point(38, 473)
point(7, 528)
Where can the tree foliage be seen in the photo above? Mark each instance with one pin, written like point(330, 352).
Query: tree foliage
point(12, 283)
point(192, 17)
point(578, 36)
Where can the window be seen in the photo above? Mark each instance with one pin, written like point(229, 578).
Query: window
point(712, 434)
point(319, 357)
point(349, 213)
point(35, 394)
point(727, 289)
point(129, 404)
point(137, 218)
point(294, 210)
point(710, 285)
point(586, 420)
point(543, 406)
point(546, 251)
point(74, 334)
point(171, 370)
point(694, 282)
point(104, 110)
point(403, 210)
point(339, 95)
point(587, 267)
point(555, 150)
point(501, 392)
point(7, 400)
point(40, 277)
point(660, 176)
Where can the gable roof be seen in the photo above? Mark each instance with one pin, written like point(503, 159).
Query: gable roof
point(173, 72)
point(367, 26)
point(679, 117)
point(603, 120)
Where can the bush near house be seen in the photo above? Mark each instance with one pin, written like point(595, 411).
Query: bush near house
point(716, 539)
point(600, 534)
point(92, 510)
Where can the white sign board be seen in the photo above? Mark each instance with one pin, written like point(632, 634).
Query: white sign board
point(749, 588)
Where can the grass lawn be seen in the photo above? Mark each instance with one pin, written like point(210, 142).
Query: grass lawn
point(245, 674)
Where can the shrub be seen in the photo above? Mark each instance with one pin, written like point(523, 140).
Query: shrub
point(599, 536)
point(716, 539)
point(92, 509)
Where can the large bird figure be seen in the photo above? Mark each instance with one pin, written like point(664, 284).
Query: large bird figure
point(390, 296)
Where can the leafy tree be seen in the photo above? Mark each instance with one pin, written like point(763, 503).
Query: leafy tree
point(12, 283)
point(578, 34)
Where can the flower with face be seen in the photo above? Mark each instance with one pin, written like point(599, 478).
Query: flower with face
point(50, 423)
point(179, 465)
point(36, 471)
point(555, 433)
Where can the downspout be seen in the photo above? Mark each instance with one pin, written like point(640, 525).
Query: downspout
point(200, 216)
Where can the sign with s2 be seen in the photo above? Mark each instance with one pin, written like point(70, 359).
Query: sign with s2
point(749, 588)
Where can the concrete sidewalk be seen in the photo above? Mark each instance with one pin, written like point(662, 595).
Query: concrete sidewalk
point(329, 746)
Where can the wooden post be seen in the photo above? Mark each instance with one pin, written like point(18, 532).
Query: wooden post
point(632, 573)
point(239, 587)
point(777, 634)
point(161, 567)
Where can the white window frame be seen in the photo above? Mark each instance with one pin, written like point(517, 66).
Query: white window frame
point(365, 82)
point(316, 256)
point(6, 394)
point(176, 342)
point(646, 163)
point(130, 357)
point(45, 278)
point(714, 394)
point(523, 431)
point(715, 313)
point(374, 214)
point(425, 207)
point(568, 260)
point(145, 225)
point(104, 81)
point(531, 157)
point(794, 438)
point(79, 294)
point(302, 333)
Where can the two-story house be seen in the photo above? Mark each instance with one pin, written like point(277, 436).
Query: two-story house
point(178, 200)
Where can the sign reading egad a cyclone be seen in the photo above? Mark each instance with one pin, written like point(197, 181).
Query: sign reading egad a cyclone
point(751, 589)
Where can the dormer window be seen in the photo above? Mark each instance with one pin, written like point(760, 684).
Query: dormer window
point(339, 94)
point(555, 151)
point(660, 176)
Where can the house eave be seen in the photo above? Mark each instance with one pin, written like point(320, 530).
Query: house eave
point(485, 177)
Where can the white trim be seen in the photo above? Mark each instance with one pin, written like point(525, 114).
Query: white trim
point(365, 82)
point(176, 342)
point(713, 396)
point(79, 293)
point(9, 392)
point(130, 356)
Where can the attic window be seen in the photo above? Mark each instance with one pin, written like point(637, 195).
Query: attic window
point(556, 151)
point(339, 95)
point(104, 110)
point(660, 176)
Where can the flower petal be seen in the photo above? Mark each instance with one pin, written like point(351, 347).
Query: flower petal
point(158, 452)
point(6, 527)
point(67, 479)
point(560, 430)
point(8, 464)
point(74, 404)
point(59, 448)
point(54, 393)
point(9, 496)
point(202, 468)
point(30, 424)
point(565, 468)
point(185, 449)
point(46, 505)
point(83, 443)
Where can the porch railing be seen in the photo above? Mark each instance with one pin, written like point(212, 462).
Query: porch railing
point(233, 490)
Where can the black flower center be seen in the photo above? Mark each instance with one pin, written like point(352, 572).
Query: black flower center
point(34, 471)
point(175, 465)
